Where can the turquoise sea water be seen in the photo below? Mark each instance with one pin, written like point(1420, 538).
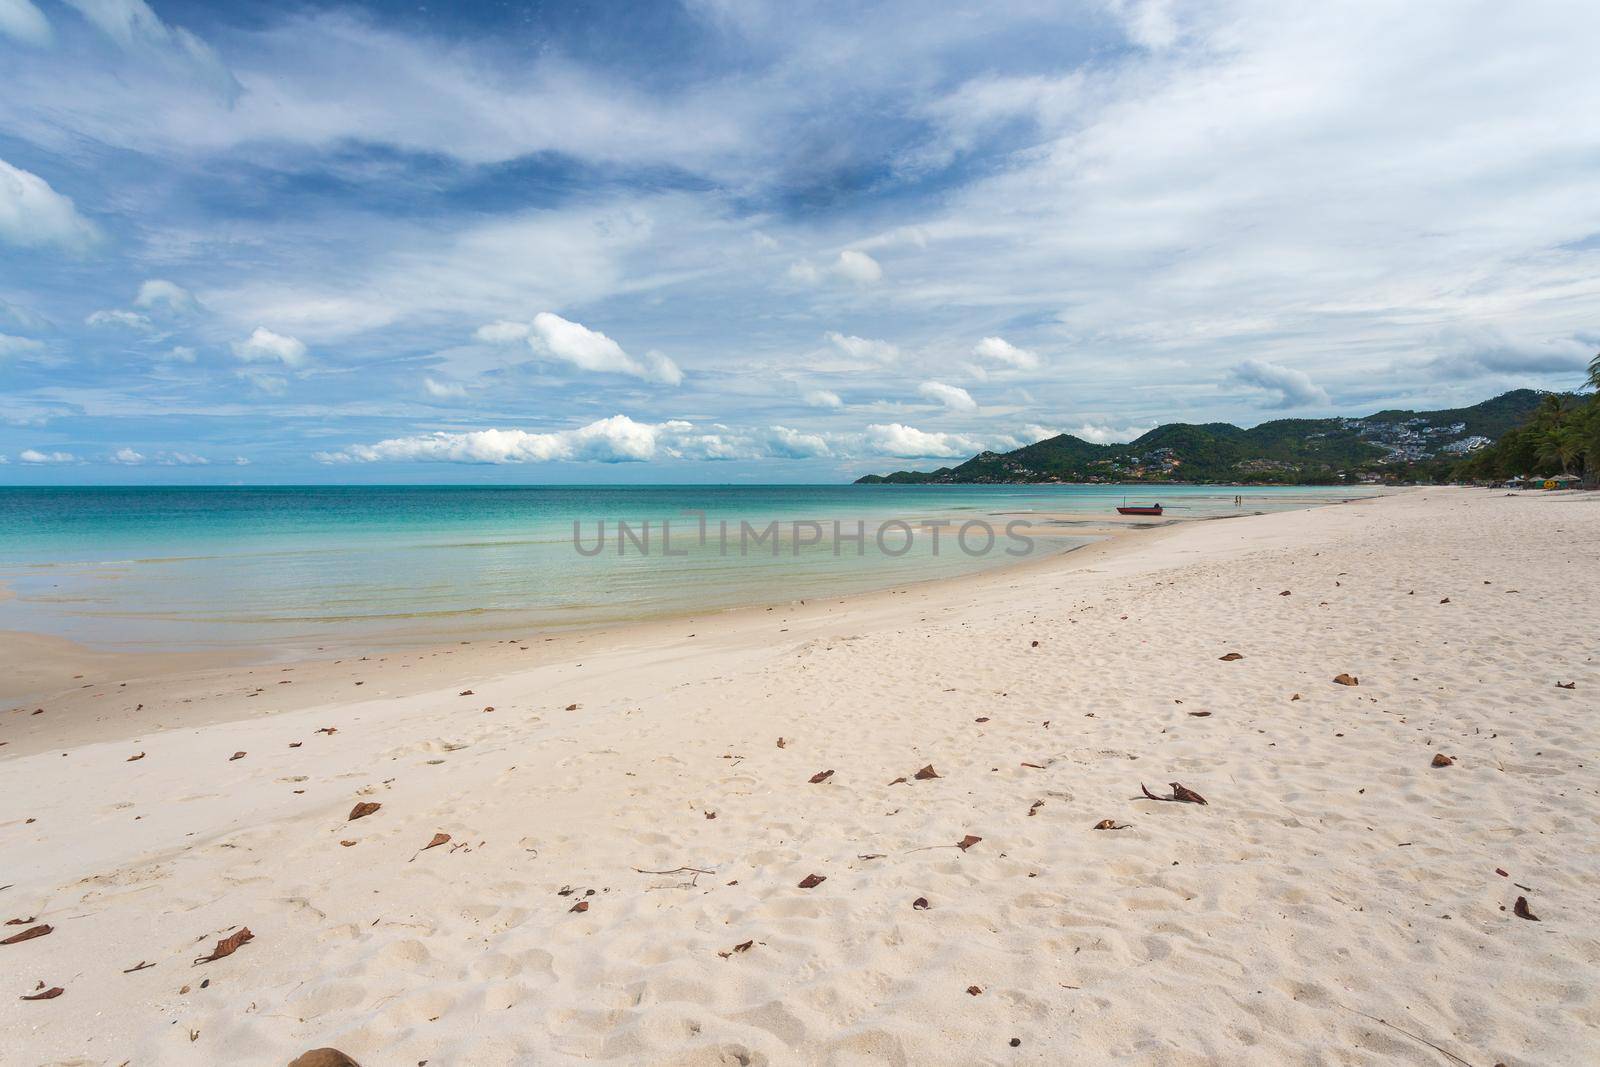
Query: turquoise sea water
point(278, 569)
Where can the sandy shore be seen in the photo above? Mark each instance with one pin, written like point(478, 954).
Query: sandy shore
point(1338, 901)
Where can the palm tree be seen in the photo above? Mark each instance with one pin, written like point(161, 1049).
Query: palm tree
point(1564, 445)
point(1594, 372)
point(1553, 411)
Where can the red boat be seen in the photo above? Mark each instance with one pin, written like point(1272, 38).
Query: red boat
point(1140, 509)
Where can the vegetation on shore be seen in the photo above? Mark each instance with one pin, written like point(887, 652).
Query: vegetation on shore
point(1522, 432)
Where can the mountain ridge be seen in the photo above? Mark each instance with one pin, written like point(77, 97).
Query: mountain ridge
point(1393, 444)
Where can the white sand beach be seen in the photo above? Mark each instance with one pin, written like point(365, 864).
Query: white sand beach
point(631, 816)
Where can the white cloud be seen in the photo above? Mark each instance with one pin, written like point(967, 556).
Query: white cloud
point(1294, 388)
point(158, 292)
point(951, 396)
point(33, 215)
point(502, 333)
point(127, 457)
point(618, 439)
point(1101, 434)
point(908, 442)
point(857, 267)
point(137, 29)
point(999, 350)
point(30, 455)
point(444, 390)
point(554, 337)
point(863, 348)
point(22, 21)
point(1150, 24)
point(823, 398)
point(181, 459)
point(264, 346)
point(180, 354)
point(850, 266)
point(10, 346)
point(117, 317)
point(265, 384)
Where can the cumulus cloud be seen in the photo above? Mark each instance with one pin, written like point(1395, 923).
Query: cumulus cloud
point(444, 390)
point(32, 455)
point(553, 337)
point(823, 398)
point(951, 396)
point(1101, 434)
point(22, 21)
point(863, 348)
point(264, 346)
point(33, 215)
point(117, 317)
point(617, 439)
point(160, 293)
point(1292, 388)
point(849, 266)
point(127, 457)
point(999, 350)
point(908, 442)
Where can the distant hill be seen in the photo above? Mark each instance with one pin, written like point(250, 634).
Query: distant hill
point(1388, 444)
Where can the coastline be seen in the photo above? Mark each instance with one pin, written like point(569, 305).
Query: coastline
point(1332, 874)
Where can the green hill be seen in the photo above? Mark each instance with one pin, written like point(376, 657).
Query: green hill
point(1393, 444)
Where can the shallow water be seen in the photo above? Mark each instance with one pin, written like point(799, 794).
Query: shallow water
point(298, 567)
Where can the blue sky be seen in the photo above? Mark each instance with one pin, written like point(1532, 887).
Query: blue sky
point(719, 240)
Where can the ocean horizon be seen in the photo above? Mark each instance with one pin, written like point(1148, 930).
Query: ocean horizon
point(274, 570)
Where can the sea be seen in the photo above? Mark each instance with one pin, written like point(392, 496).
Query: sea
point(276, 570)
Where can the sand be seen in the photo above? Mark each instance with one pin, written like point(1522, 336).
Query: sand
point(1338, 901)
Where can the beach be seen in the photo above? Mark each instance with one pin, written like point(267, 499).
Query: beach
point(860, 829)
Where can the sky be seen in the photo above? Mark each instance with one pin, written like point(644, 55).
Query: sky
point(739, 241)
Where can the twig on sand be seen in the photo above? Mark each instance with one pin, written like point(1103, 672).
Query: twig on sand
point(677, 870)
point(694, 874)
point(1443, 1052)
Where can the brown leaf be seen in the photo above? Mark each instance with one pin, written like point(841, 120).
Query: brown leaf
point(1034, 766)
point(1446, 600)
point(19, 922)
point(782, 743)
point(134, 759)
point(898, 781)
point(140, 966)
point(228, 945)
point(1179, 793)
point(1035, 806)
point(711, 815)
point(1200, 714)
point(49, 994)
point(329, 730)
point(1346, 679)
point(363, 809)
point(921, 904)
point(811, 881)
point(981, 718)
point(296, 744)
point(926, 773)
point(1522, 911)
point(1034, 645)
point(1230, 657)
point(1108, 824)
point(973, 990)
point(580, 907)
point(821, 776)
point(1566, 685)
point(967, 842)
point(465, 693)
point(438, 839)
point(1441, 760)
point(347, 843)
point(236, 755)
point(744, 946)
point(28, 935)
point(1284, 593)
point(572, 707)
point(1294, 698)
